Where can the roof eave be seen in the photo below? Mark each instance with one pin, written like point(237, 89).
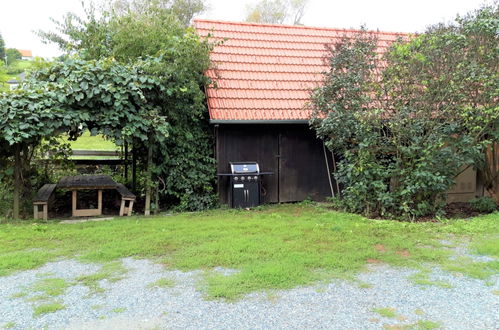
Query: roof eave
point(259, 121)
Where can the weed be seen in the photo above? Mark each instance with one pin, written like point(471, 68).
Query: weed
point(48, 274)
point(385, 312)
point(423, 278)
point(19, 294)
point(47, 308)
point(419, 312)
point(51, 286)
point(162, 283)
point(38, 298)
point(420, 325)
point(118, 310)
point(9, 325)
point(364, 285)
point(424, 325)
point(111, 271)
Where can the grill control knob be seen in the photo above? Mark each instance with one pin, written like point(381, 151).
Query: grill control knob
point(236, 178)
point(243, 178)
point(255, 177)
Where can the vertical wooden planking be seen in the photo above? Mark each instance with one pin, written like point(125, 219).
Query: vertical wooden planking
point(303, 171)
point(248, 143)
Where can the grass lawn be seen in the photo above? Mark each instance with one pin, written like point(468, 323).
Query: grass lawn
point(97, 142)
point(273, 247)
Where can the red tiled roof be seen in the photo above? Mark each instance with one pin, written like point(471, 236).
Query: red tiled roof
point(25, 53)
point(266, 72)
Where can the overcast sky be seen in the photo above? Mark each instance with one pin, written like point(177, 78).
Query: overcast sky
point(19, 18)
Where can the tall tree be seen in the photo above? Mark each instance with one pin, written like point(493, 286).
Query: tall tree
point(406, 123)
point(277, 11)
point(12, 55)
point(184, 10)
point(135, 31)
point(2, 48)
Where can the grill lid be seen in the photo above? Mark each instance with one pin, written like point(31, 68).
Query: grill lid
point(244, 167)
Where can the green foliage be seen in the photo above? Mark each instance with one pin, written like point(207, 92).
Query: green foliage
point(484, 204)
point(51, 286)
point(3, 77)
point(281, 246)
point(12, 55)
point(385, 312)
point(407, 122)
point(162, 283)
point(111, 271)
point(153, 35)
point(276, 11)
point(2, 48)
point(103, 96)
point(47, 308)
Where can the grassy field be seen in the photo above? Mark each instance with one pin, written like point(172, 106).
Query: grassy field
point(273, 247)
point(87, 142)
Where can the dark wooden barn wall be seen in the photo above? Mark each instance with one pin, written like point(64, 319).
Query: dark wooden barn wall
point(291, 151)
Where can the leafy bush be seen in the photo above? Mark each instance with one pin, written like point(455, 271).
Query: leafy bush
point(406, 122)
point(484, 204)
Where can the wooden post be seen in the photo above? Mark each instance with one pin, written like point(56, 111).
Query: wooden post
point(126, 161)
point(17, 180)
point(45, 212)
point(122, 207)
point(149, 180)
point(74, 199)
point(99, 201)
point(134, 169)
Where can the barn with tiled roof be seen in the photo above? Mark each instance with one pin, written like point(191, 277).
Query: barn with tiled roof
point(263, 77)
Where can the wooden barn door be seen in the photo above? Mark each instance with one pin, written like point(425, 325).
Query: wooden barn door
point(291, 152)
point(249, 143)
point(302, 166)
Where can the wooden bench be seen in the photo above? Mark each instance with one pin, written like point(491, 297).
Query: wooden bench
point(126, 195)
point(42, 199)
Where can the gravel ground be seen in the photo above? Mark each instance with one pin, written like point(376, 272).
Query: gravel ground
point(131, 303)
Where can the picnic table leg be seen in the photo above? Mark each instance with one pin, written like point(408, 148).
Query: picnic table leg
point(130, 208)
point(99, 201)
point(74, 198)
point(122, 207)
point(35, 211)
point(45, 212)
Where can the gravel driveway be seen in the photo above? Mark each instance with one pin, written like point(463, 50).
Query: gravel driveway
point(383, 296)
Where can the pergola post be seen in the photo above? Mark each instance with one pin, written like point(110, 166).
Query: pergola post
point(148, 180)
point(17, 180)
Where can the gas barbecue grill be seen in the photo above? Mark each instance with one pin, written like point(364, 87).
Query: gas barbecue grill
point(245, 184)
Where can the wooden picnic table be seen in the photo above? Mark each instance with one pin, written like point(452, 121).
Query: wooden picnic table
point(87, 182)
point(83, 182)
